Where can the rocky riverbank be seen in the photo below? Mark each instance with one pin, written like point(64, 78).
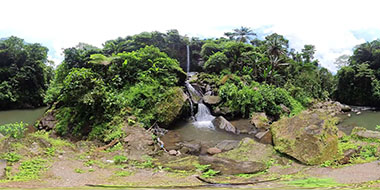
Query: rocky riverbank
point(308, 146)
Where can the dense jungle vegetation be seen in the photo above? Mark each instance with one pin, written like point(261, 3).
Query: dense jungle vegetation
point(140, 79)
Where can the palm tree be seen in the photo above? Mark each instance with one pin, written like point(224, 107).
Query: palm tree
point(243, 34)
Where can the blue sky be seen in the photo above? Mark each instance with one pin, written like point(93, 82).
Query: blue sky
point(334, 27)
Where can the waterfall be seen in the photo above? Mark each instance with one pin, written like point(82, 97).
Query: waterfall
point(188, 58)
point(203, 118)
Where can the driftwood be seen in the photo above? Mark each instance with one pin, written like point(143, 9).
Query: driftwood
point(108, 145)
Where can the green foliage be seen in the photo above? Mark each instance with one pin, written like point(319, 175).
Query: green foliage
point(15, 130)
point(24, 75)
point(119, 159)
point(314, 182)
point(216, 63)
point(358, 82)
point(246, 99)
point(11, 157)
point(123, 173)
point(206, 171)
point(79, 171)
point(29, 170)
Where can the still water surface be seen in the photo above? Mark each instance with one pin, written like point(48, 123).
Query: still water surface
point(26, 116)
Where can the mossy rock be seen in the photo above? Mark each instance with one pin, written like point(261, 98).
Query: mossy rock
point(250, 150)
point(170, 109)
point(310, 137)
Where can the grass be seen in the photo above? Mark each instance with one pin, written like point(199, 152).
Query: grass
point(314, 182)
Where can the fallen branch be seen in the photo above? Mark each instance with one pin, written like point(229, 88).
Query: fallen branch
point(113, 142)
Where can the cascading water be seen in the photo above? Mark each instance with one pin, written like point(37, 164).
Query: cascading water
point(188, 58)
point(203, 118)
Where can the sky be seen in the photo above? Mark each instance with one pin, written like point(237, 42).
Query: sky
point(335, 27)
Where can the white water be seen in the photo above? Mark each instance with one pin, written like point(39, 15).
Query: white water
point(188, 58)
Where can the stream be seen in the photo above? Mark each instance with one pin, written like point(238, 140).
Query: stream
point(367, 118)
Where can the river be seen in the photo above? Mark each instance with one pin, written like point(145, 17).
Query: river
point(29, 116)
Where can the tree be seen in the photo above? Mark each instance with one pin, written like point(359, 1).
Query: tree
point(24, 75)
point(242, 34)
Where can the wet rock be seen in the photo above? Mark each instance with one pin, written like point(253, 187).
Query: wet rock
point(211, 99)
point(346, 108)
point(3, 165)
point(221, 123)
point(222, 111)
point(227, 145)
point(139, 142)
point(213, 150)
point(249, 150)
point(364, 133)
point(264, 137)
point(48, 121)
point(171, 108)
point(244, 126)
point(231, 167)
point(310, 137)
point(260, 121)
point(193, 148)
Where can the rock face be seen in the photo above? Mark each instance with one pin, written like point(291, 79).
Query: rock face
point(211, 99)
point(364, 133)
point(310, 137)
point(260, 121)
point(139, 142)
point(231, 167)
point(171, 108)
point(213, 150)
point(222, 123)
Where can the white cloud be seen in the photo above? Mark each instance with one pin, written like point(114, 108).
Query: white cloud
point(326, 24)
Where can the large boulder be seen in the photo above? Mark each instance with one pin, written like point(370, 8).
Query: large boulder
point(171, 109)
point(232, 167)
point(310, 137)
point(222, 123)
point(208, 99)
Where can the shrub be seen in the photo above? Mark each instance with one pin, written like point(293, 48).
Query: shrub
point(216, 63)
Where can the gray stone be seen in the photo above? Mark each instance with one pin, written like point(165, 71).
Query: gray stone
point(264, 137)
point(213, 150)
point(364, 133)
point(227, 145)
point(221, 123)
point(211, 99)
point(231, 167)
point(191, 148)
